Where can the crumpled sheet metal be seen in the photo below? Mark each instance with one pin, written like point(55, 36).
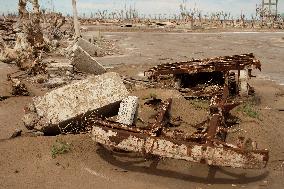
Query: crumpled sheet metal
point(217, 155)
point(222, 63)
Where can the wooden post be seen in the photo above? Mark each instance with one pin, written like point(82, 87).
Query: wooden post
point(75, 17)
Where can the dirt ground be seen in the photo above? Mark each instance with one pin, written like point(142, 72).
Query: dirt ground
point(26, 161)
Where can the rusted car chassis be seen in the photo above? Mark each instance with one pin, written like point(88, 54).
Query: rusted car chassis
point(203, 146)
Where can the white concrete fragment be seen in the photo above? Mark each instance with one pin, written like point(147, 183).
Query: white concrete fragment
point(244, 88)
point(127, 110)
point(80, 97)
point(82, 61)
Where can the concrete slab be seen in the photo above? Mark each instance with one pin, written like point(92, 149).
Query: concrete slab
point(101, 94)
point(82, 61)
point(90, 48)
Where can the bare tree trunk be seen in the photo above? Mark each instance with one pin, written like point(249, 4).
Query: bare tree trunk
point(75, 17)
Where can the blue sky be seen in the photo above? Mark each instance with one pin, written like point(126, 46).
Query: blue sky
point(147, 6)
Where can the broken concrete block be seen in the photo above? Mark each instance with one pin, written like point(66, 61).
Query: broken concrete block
point(100, 94)
point(82, 61)
point(90, 48)
point(127, 110)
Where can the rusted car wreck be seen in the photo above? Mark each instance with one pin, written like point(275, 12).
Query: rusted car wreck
point(208, 144)
point(206, 77)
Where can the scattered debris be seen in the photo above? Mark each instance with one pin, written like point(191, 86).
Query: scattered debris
point(86, 104)
point(2, 98)
point(7, 32)
point(19, 88)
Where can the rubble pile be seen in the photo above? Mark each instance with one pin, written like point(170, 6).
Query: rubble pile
point(7, 32)
point(102, 104)
point(58, 73)
point(19, 88)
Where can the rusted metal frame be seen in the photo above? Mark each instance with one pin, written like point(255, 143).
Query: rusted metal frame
point(211, 151)
point(168, 134)
point(217, 155)
point(226, 63)
point(161, 117)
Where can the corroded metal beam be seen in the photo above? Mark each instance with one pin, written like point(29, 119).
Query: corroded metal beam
point(216, 154)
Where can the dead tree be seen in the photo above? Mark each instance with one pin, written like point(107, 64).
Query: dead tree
point(30, 23)
point(30, 41)
point(75, 17)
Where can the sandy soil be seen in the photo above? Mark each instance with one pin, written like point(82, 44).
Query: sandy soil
point(26, 161)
